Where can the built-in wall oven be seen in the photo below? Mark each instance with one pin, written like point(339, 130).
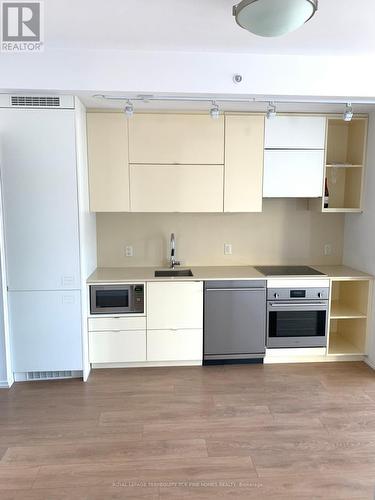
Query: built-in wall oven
point(117, 299)
point(297, 313)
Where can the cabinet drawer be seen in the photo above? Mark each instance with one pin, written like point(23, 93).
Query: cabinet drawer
point(116, 323)
point(174, 345)
point(295, 132)
point(176, 138)
point(117, 347)
point(176, 188)
point(174, 305)
point(293, 174)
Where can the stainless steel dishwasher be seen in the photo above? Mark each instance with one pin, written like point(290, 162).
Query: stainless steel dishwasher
point(234, 321)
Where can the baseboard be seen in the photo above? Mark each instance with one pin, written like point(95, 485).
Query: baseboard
point(146, 364)
point(370, 363)
point(4, 384)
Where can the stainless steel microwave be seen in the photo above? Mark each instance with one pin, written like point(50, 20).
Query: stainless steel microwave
point(117, 299)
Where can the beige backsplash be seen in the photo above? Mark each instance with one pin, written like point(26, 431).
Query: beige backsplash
point(286, 232)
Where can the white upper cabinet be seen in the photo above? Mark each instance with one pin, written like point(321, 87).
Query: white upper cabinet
point(295, 132)
point(244, 138)
point(293, 173)
point(176, 139)
point(176, 188)
point(107, 135)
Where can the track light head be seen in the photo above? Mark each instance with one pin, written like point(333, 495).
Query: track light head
point(271, 111)
point(214, 111)
point(348, 113)
point(129, 109)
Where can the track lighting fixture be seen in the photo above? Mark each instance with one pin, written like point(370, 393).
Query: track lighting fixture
point(129, 109)
point(214, 111)
point(348, 113)
point(271, 110)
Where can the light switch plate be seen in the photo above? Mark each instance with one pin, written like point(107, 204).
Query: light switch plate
point(129, 251)
point(227, 249)
point(328, 249)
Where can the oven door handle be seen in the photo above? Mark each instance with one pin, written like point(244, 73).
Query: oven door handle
point(296, 304)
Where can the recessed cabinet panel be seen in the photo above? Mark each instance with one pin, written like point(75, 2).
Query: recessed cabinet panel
point(176, 188)
point(107, 135)
point(176, 139)
point(295, 132)
point(174, 305)
point(244, 138)
point(293, 174)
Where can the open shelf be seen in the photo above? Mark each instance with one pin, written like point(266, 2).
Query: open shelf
point(349, 317)
point(341, 345)
point(345, 158)
point(343, 311)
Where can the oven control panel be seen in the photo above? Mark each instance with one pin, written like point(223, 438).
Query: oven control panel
point(297, 294)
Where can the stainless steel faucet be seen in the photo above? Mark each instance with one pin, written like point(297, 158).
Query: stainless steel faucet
point(172, 261)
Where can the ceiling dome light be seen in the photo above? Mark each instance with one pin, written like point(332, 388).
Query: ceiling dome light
point(348, 113)
point(273, 17)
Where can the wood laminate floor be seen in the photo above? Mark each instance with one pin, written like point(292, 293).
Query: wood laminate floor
point(247, 431)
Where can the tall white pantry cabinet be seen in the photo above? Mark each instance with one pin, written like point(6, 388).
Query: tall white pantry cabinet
point(49, 234)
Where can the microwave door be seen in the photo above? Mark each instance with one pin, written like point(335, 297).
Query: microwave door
point(107, 300)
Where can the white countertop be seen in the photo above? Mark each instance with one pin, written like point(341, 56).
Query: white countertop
point(205, 273)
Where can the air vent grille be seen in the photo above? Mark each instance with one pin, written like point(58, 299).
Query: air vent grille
point(49, 375)
point(34, 101)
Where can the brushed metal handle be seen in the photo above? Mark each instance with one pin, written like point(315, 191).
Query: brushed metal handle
point(234, 289)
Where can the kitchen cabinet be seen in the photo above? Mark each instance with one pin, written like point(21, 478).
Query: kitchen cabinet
point(350, 314)
point(243, 181)
point(176, 306)
point(176, 139)
point(117, 339)
point(38, 170)
point(345, 164)
point(174, 345)
point(45, 330)
point(295, 132)
point(176, 188)
point(293, 173)
point(117, 346)
point(107, 135)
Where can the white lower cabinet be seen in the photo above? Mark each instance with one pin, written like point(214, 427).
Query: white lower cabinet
point(117, 346)
point(175, 345)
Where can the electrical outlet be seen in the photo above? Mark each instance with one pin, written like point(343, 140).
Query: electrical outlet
point(328, 249)
point(129, 252)
point(227, 249)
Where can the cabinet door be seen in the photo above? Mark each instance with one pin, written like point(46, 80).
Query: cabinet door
point(176, 138)
point(174, 345)
point(176, 188)
point(38, 167)
point(174, 305)
point(293, 174)
point(295, 132)
point(45, 331)
point(243, 182)
point(107, 136)
point(117, 347)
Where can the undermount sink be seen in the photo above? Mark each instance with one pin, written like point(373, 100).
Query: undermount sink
point(168, 273)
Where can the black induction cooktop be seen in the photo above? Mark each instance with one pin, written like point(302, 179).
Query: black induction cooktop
point(288, 271)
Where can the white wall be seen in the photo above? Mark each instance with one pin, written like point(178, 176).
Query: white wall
point(74, 71)
point(359, 239)
point(3, 370)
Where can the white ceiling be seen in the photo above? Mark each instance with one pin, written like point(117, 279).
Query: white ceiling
point(340, 26)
